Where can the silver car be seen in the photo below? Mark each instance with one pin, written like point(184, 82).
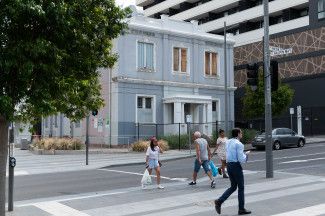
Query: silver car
point(281, 137)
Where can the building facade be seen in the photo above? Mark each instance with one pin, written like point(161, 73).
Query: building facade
point(297, 43)
point(166, 70)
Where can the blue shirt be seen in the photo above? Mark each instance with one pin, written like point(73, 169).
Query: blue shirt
point(235, 151)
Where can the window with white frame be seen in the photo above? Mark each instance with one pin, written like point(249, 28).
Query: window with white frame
point(215, 111)
point(145, 112)
point(146, 56)
point(46, 122)
point(321, 9)
point(211, 64)
point(180, 60)
point(56, 121)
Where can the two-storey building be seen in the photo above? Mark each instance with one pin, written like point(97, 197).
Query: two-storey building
point(166, 70)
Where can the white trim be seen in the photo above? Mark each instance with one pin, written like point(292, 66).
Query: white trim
point(218, 63)
point(124, 79)
point(153, 107)
point(148, 41)
point(188, 59)
point(219, 107)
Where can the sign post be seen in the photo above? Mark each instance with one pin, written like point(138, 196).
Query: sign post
point(292, 111)
point(188, 121)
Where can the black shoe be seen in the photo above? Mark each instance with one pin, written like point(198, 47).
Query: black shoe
point(213, 184)
point(219, 171)
point(217, 206)
point(244, 212)
point(225, 175)
point(192, 183)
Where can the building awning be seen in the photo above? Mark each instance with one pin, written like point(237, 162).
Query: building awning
point(193, 99)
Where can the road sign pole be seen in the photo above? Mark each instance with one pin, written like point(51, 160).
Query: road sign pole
point(226, 78)
point(268, 101)
point(87, 138)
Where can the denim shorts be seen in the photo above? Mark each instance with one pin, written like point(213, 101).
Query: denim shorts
point(205, 165)
point(153, 163)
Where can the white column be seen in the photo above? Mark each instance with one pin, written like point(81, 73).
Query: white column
point(196, 118)
point(209, 119)
point(182, 113)
point(299, 124)
point(178, 112)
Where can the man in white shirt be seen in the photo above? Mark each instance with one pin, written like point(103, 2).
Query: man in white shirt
point(235, 156)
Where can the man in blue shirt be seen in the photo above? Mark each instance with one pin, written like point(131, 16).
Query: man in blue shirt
point(235, 156)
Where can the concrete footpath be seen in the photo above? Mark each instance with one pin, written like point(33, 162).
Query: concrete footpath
point(29, 163)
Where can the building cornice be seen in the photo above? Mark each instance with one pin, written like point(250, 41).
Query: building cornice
point(124, 79)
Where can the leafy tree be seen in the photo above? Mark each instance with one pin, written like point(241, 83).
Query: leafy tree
point(49, 55)
point(254, 101)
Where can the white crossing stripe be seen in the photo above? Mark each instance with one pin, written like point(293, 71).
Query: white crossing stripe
point(302, 161)
point(58, 209)
point(180, 200)
point(310, 211)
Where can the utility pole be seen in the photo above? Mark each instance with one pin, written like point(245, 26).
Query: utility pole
point(87, 138)
point(268, 101)
point(226, 77)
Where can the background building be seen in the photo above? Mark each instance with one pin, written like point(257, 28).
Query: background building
point(166, 70)
point(297, 40)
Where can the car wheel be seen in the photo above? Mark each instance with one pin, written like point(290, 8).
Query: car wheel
point(277, 145)
point(301, 143)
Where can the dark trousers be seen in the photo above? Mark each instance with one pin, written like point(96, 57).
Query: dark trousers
point(236, 176)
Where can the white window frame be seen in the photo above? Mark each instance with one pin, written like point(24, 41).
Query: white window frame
point(188, 57)
point(154, 56)
point(153, 107)
point(217, 107)
point(218, 64)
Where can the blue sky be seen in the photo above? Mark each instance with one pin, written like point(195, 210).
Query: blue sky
point(125, 3)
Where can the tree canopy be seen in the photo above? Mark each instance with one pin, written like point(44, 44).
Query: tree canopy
point(254, 101)
point(50, 51)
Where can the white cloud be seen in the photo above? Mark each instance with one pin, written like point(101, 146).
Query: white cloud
point(125, 3)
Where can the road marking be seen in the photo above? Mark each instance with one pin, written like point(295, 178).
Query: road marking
point(58, 209)
point(179, 201)
point(302, 161)
point(310, 211)
point(141, 174)
point(287, 157)
point(19, 173)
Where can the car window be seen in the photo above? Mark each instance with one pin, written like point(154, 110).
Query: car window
point(280, 131)
point(287, 131)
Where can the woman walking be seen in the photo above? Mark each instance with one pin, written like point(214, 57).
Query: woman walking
point(152, 159)
point(221, 151)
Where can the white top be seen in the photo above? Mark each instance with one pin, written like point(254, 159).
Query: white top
point(153, 154)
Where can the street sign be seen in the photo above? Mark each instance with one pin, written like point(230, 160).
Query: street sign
point(188, 118)
point(292, 111)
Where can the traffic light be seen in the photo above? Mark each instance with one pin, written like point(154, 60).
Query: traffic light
point(94, 112)
point(252, 75)
point(274, 69)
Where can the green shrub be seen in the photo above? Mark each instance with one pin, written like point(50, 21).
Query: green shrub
point(59, 144)
point(142, 145)
point(248, 135)
point(173, 141)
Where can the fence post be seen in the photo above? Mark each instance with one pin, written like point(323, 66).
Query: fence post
point(217, 127)
point(156, 130)
point(138, 131)
point(179, 136)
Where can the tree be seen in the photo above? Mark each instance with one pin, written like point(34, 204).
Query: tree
point(49, 55)
point(254, 101)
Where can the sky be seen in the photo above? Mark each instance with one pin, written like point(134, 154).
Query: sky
point(125, 3)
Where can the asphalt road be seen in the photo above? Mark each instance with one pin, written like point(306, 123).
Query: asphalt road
point(307, 160)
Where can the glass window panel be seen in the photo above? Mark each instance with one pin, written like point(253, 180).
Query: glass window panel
point(140, 102)
point(214, 64)
point(184, 60)
point(207, 63)
point(148, 103)
point(176, 59)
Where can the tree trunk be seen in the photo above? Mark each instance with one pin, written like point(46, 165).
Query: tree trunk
point(3, 162)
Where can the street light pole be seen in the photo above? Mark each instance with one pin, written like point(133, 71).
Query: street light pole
point(268, 101)
point(87, 138)
point(226, 77)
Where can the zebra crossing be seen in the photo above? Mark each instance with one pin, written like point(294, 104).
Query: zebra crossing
point(286, 195)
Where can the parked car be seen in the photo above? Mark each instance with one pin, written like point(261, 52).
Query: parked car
point(281, 137)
